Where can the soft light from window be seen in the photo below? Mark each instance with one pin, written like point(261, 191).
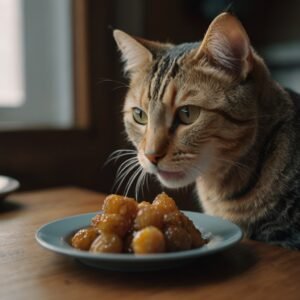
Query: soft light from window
point(11, 54)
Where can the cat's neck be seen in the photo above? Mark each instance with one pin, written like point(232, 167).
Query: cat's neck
point(240, 178)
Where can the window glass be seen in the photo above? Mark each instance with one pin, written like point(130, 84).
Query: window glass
point(41, 82)
point(11, 49)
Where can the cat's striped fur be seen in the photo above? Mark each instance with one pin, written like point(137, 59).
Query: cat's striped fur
point(242, 151)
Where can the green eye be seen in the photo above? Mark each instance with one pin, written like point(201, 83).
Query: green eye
point(188, 114)
point(139, 116)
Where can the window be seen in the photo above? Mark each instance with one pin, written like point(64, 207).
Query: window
point(284, 62)
point(63, 131)
point(36, 81)
point(11, 50)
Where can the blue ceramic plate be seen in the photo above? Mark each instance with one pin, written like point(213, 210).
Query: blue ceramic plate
point(55, 236)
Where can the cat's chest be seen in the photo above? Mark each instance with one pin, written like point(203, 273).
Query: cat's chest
point(213, 205)
point(241, 211)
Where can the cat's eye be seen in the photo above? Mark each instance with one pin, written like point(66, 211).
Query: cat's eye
point(139, 116)
point(188, 114)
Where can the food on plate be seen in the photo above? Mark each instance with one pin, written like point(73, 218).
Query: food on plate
point(149, 240)
point(177, 238)
point(124, 206)
point(113, 223)
point(148, 216)
point(125, 226)
point(107, 242)
point(84, 238)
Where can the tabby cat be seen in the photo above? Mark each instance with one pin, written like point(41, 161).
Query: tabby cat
point(209, 113)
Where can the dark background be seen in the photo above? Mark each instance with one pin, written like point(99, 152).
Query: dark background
point(48, 158)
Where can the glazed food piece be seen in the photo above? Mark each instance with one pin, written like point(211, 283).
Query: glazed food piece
point(143, 204)
point(124, 206)
point(177, 238)
point(95, 220)
point(113, 223)
point(148, 216)
point(83, 238)
point(174, 218)
point(149, 240)
point(107, 242)
point(128, 227)
point(197, 239)
point(178, 219)
point(164, 203)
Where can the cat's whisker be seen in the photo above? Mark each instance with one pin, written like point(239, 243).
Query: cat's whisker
point(145, 183)
point(107, 80)
point(124, 165)
point(139, 183)
point(124, 169)
point(195, 169)
point(236, 164)
point(232, 162)
point(119, 87)
point(127, 167)
point(147, 180)
point(122, 177)
point(118, 154)
point(243, 170)
point(109, 160)
point(131, 180)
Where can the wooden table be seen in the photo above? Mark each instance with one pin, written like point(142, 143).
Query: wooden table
point(250, 270)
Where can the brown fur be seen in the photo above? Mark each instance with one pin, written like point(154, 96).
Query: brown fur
point(238, 148)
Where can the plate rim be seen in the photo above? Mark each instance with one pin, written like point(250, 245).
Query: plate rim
point(13, 185)
point(127, 257)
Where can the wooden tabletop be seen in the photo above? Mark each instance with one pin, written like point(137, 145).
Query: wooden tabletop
point(249, 270)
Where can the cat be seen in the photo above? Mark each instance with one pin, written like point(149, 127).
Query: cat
point(209, 113)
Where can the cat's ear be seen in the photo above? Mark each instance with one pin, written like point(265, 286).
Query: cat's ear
point(134, 54)
point(226, 45)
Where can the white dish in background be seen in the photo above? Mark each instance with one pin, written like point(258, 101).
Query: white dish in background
point(55, 236)
point(7, 185)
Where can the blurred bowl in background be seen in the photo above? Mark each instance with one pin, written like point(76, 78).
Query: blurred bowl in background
point(7, 186)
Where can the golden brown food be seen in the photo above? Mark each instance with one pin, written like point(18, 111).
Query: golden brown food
point(128, 227)
point(174, 218)
point(177, 238)
point(143, 204)
point(164, 203)
point(107, 243)
point(148, 216)
point(114, 223)
point(95, 220)
point(149, 240)
point(124, 206)
point(197, 239)
point(83, 238)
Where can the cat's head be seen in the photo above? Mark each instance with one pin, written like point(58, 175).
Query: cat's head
point(191, 107)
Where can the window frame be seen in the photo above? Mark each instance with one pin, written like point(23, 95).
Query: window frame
point(48, 157)
point(46, 33)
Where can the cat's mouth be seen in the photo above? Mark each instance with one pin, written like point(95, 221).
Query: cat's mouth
point(173, 179)
point(170, 175)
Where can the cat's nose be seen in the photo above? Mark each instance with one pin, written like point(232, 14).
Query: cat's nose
point(154, 157)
